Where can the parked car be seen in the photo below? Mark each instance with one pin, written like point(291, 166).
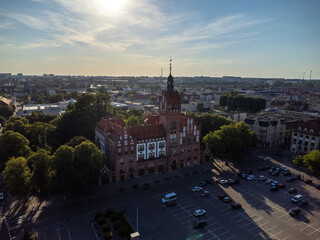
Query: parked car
point(205, 194)
point(291, 179)
point(274, 183)
point(1, 196)
point(269, 181)
point(226, 199)
point(287, 173)
point(270, 171)
point(209, 181)
point(303, 203)
point(199, 224)
point(275, 173)
point(222, 196)
point(223, 181)
point(283, 168)
point(250, 177)
point(274, 188)
point(233, 181)
point(317, 186)
point(297, 198)
point(196, 189)
point(308, 181)
point(235, 205)
point(199, 213)
point(294, 211)
point(262, 178)
point(243, 176)
point(297, 176)
point(280, 185)
point(202, 184)
point(292, 190)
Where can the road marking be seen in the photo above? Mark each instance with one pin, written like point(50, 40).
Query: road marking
point(247, 224)
point(278, 233)
point(59, 234)
point(69, 234)
point(255, 227)
point(241, 220)
point(313, 232)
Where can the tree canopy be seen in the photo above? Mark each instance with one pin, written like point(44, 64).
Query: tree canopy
point(231, 142)
point(310, 160)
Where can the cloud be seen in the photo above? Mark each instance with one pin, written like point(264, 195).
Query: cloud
point(139, 26)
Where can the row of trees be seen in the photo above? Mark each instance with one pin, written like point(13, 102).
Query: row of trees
point(310, 160)
point(67, 169)
point(241, 102)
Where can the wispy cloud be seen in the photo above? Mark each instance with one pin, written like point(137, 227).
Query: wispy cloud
point(139, 25)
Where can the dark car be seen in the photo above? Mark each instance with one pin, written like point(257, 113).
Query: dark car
point(287, 173)
point(291, 179)
point(235, 205)
point(267, 167)
point(274, 188)
point(243, 176)
point(280, 186)
point(275, 173)
point(145, 187)
point(294, 211)
point(297, 176)
point(202, 184)
point(308, 181)
point(205, 194)
point(199, 224)
point(233, 181)
point(292, 190)
point(209, 181)
point(317, 186)
point(222, 196)
point(261, 168)
point(303, 203)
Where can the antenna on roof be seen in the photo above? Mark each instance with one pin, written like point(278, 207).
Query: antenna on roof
point(310, 74)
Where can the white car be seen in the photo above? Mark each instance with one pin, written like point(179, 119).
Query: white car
point(269, 181)
point(199, 213)
point(250, 177)
point(196, 189)
point(297, 198)
point(262, 178)
point(223, 181)
point(274, 183)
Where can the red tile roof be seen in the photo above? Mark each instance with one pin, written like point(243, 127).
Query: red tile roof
point(153, 119)
point(106, 125)
point(310, 124)
point(147, 131)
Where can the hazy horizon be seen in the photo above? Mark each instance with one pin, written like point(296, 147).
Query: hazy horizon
point(130, 38)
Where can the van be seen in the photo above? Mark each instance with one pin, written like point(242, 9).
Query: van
point(170, 197)
point(297, 198)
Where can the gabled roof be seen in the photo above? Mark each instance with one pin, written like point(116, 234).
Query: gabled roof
point(147, 131)
point(310, 125)
point(106, 125)
point(153, 119)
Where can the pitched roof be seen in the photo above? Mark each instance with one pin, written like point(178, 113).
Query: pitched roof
point(310, 125)
point(107, 125)
point(153, 119)
point(147, 131)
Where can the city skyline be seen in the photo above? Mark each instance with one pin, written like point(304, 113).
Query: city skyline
point(126, 38)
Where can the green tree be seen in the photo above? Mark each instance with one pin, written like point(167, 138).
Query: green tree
point(153, 99)
point(17, 176)
point(40, 166)
point(65, 175)
point(231, 142)
point(312, 160)
point(298, 160)
point(133, 121)
point(88, 160)
point(5, 112)
point(75, 141)
point(200, 107)
point(13, 144)
point(17, 125)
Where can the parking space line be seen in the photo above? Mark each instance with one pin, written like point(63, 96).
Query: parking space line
point(278, 233)
point(230, 237)
point(313, 232)
point(235, 216)
point(58, 231)
point(241, 220)
point(269, 229)
point(286, 237)
point(223, 233)
point(247, 224)
point(255, 227)
point(263, 224)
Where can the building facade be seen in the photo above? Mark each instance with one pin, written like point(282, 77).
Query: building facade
point(165, 142)
point(270, 131)
point(306, 137)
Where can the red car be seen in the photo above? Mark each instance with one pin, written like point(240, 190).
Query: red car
point(222, 196)
point(280, 186)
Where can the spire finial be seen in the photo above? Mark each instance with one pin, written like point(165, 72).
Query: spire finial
point(170, 64)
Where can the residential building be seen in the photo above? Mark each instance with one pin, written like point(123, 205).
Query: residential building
point(165, 142)
point(306, 137)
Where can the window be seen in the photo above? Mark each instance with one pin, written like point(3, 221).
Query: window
point(174, 153)
point(141, 148)
point(132, 149)
point(173, 125)
point(151, 146)
point(161, 145)
point(131, 159)
point(121, 170)
point(161, 153)
point(119, 151)
point(121, 160)
point(182, 150)
point(140, 157)
point(151, 155)
point(126, 150)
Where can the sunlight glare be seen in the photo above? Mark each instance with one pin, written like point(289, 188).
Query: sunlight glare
point(111, 6)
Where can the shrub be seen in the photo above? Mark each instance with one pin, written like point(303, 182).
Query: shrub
point(106, 228)
point(109, 212)
point(123, 232)
point(107, 235)
point(101, 221)
point(98, 214)
point(114, 217)
point(118, 224)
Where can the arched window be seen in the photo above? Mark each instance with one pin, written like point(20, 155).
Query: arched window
point(173, 125)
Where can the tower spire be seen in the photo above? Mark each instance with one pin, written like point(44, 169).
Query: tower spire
point(170, 65)
point(170, 79)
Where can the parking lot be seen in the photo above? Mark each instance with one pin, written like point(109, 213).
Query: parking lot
point(264, 214)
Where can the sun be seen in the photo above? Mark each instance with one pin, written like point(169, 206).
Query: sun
point(110, 6)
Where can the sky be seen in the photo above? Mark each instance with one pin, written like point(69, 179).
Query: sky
point(137, 37)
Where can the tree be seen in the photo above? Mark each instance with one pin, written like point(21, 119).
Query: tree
point(40, 166)
point(312, 160)
point(298, 160)
point(75, 141)
point(17, 176)
point(5, 112)
point(65, 175)
point(13, 144)
point(88, 161)
point(133, 121)
point(231, 142)
point(200, 107)
point(153, 99)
